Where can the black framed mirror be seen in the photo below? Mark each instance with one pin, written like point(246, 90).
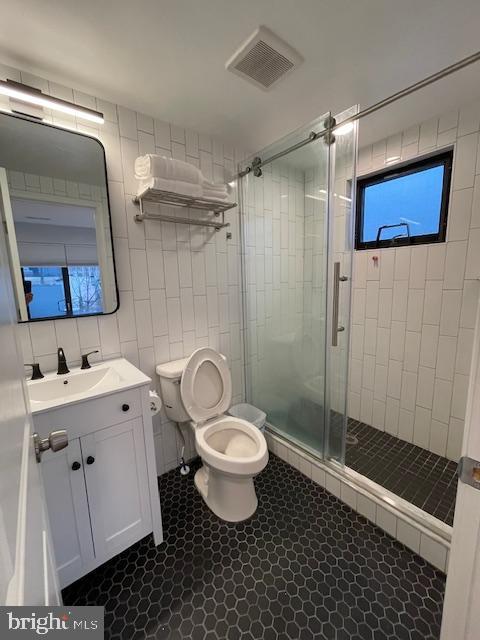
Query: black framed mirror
point(55, 208)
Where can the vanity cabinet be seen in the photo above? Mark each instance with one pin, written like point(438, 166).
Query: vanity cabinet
point(117, 486)
point(101, 490)
point(68, 512)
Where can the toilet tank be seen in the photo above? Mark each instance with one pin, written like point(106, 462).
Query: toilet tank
point(170, 374)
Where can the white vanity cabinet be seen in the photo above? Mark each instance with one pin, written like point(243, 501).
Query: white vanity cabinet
point(117, 486)
point(101, 490)
point(68, 512)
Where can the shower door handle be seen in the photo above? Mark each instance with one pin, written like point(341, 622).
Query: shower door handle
point(337, 278)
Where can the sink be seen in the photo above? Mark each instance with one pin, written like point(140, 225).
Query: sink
point(72, 384)
point(78, 385)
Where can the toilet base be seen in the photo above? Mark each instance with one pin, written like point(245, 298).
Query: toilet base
point(231, 498)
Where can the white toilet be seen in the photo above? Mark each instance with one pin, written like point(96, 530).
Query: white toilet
point(198, 390)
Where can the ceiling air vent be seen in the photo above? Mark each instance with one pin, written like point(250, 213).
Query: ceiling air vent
point(263, 59)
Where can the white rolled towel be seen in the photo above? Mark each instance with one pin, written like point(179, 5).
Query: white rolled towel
point(215, 191)
point(152, 165)
point(214, 195)
point(174, 186)
point(211, 186)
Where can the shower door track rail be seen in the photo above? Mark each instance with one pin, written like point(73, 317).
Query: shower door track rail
point(330, 123)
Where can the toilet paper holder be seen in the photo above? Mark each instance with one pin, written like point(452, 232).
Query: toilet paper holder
point(155, 402)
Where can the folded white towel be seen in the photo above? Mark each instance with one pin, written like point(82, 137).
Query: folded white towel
point(216, 199)
point(213, 186)
point(174, 186)
point(167, 174)
point(155, 166)
point(216, 195)
point(210, 186)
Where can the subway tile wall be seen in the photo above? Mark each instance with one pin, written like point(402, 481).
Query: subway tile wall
point(179, 285)
point(274, 226)
point(414, 310)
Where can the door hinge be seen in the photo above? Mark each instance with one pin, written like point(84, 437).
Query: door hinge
point(468, 471)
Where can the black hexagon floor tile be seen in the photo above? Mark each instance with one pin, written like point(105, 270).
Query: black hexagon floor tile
point(304, 567)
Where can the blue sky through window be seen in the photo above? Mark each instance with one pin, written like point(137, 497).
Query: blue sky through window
point(415, 199)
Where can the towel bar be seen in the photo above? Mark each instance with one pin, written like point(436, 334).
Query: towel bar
point(178, 200)
point(140, 217)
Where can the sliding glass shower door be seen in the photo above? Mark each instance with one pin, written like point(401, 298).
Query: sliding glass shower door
point(295, 226)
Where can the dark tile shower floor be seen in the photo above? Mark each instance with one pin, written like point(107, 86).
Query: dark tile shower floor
point(304, 567)
point(423, 478)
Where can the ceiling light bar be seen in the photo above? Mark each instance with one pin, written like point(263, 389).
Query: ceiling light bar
point(24, 93)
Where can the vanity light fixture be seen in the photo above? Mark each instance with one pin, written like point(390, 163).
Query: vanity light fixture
point(24, 93)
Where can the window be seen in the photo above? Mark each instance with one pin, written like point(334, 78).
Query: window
point(404, 205)
point(56, 292)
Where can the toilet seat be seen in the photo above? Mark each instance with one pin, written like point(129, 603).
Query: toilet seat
point(214, 440)
point(206, 385)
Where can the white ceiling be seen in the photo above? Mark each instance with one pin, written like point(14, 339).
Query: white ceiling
point(166, 57)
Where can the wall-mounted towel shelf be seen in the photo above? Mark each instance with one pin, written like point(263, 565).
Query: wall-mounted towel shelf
point(178, 200)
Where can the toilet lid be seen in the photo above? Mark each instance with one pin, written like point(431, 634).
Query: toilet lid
point(206, 385)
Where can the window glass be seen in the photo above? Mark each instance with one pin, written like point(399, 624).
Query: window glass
point(44, 291)
point(414, 199)
point(86, 289)
point(404, 205)
point(62, 291)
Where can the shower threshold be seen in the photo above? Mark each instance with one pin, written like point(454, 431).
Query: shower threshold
point(426, 480)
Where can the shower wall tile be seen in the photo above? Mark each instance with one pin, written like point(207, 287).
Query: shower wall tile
point(405, 424)
point(420, 302)
point(283, 285)
point(179, 286)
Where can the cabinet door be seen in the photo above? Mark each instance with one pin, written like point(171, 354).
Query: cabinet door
point(117, 487)
point(67, 507)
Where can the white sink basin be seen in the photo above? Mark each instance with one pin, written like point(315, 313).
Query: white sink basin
point(78, 385)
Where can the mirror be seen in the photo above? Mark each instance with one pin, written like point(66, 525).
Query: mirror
point(55, 209)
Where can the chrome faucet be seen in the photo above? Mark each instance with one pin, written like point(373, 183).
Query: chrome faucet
point(62, 363)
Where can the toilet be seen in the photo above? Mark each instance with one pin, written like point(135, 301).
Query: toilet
point(198, 391)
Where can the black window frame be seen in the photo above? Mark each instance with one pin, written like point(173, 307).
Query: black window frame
point(445, 159)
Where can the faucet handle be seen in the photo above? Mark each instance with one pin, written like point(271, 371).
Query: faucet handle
point(85, 362)
point(62, 362)
point(36, 373)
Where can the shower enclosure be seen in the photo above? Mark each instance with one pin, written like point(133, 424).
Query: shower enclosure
point(296, 207)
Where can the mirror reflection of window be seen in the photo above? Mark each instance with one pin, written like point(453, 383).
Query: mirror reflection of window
point(62, 291)
point(57, 250)
point(86, 289)
point(54, 203)
point(47, 291)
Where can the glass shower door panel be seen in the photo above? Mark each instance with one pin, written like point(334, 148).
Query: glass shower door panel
point(284, 213)
point(341, 222)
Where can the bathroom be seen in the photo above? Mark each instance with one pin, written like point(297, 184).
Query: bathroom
point(259, 375)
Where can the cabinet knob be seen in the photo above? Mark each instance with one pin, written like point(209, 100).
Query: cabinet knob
point(125, 407)
point(90, 460)
point(76, 466)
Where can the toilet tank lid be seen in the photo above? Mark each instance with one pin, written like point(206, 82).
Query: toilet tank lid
point(172, 369)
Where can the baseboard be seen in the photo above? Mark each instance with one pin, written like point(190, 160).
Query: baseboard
point(422, 533)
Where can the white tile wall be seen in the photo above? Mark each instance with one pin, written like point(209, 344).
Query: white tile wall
point(414, 308)
point(280, 300)
point(176, 291)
